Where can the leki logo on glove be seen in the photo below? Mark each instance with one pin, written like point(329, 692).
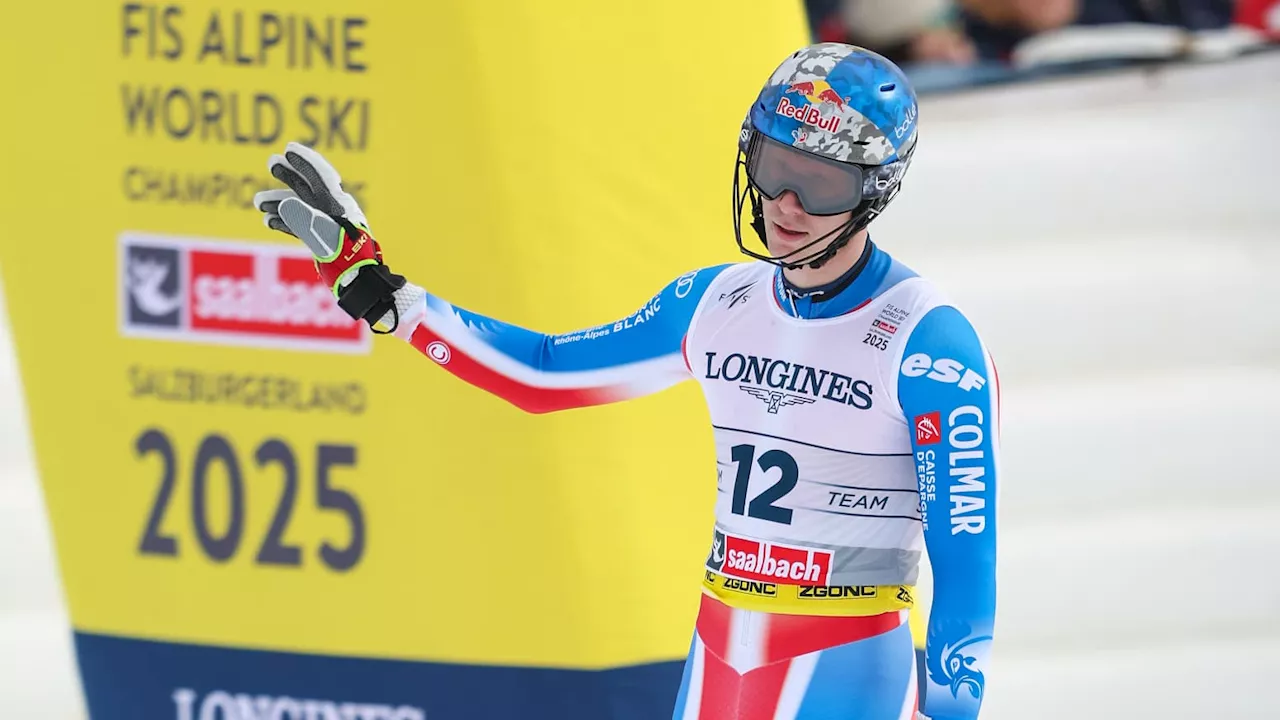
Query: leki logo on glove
point(355, 249)
point(231, 293)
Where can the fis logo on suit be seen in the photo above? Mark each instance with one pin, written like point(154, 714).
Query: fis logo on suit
point(739, 295)
point(792, 383)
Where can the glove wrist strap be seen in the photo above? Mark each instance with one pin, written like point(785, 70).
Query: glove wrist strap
point(371, 295)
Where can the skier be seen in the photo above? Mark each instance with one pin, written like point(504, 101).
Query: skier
point(855, 408)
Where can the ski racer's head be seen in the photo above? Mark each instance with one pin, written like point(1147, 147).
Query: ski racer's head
point(823, 151)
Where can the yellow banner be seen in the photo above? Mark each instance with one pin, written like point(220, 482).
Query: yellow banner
point(224, 462)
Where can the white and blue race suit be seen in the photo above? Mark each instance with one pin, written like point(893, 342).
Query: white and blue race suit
point(853, 433)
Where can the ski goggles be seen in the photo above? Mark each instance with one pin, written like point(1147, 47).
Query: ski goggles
point(824, 186)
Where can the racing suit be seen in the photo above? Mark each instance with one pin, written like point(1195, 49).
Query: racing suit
point(855, 429)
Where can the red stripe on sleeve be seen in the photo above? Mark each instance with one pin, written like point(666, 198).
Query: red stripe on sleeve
point(527, 397)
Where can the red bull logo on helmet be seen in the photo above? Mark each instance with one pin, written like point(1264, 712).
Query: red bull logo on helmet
point(820, 96)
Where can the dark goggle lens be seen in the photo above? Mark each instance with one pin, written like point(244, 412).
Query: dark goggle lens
point(824, 187)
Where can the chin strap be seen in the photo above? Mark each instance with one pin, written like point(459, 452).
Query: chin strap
point(835, 246)
point(847, 231)
point(833, 288)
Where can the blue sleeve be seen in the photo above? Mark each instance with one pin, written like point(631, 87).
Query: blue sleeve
point(950, 397)
point(639, 354)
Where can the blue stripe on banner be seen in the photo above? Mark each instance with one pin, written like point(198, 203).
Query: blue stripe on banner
point(131, 679)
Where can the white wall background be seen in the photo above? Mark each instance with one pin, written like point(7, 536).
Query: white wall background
point(1117, 241)
point(38, 676)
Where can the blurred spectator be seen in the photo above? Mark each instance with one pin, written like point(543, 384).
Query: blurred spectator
point(926, 37)
point(997, 27)
point(949, 43)
point(905, 31)
point(1262, 15)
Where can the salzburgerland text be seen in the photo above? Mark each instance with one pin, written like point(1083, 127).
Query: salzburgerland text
point(266, 392)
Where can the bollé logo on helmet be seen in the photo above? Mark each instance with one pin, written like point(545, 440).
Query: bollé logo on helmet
point(905, 127)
